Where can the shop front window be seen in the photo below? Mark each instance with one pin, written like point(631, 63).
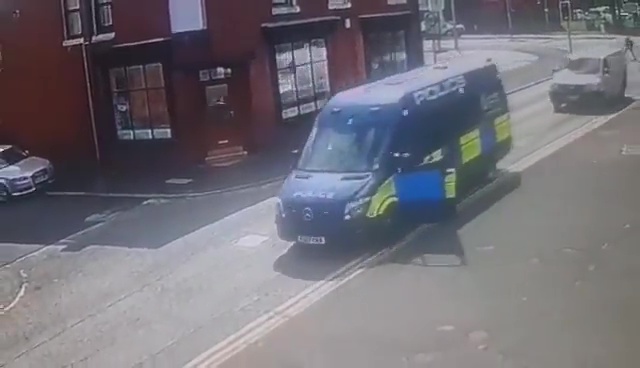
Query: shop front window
point(140, 102)
point(387, 54)
point(303, 77)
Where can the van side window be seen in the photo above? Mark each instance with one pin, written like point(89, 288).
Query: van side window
point(434, 127)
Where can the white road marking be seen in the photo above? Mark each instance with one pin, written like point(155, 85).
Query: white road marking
point(178, 181)
point(19, 294)
point(262, 326)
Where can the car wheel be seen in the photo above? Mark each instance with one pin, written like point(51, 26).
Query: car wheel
point(557, 106)
point(4, 194)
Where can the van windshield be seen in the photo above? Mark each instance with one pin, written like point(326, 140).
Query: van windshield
point(344, 147)
point(584, 66)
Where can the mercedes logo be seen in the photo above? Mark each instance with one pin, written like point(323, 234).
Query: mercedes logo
point(307, 214)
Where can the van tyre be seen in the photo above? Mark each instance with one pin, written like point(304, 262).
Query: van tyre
point(557, 106)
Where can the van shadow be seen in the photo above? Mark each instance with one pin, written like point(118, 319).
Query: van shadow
point(316, 263)
point(431, 245)
point(595, 109)
point(440, 245)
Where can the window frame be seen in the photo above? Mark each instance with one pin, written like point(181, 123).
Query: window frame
point(339, 4)
point(66, 13)
point(279, 7)
point(127, 91)
point(376, 41)
point(318, 98)
point(98, 27)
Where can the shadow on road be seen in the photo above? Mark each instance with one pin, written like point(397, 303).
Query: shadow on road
point(439, 244)
point(315, 263)
point(598, 109)
point(435, 245)
point(30, 222)
point(154, 225)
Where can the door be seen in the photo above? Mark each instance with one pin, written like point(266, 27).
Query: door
point(425, 148)
point(221, 127)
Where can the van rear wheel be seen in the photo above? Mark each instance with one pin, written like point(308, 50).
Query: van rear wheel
point(557, 106)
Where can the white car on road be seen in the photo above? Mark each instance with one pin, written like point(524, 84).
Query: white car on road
point(21, 173)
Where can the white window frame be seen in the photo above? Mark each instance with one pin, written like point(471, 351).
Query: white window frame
point(339, 4)
point(68, 39)
point(279, 7)
point(105, 36)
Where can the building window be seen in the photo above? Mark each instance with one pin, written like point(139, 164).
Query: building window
point(284, 3)
point(140, 102)
point(303, 76)
point(72, 19)
point(103, 16)
point(284, 7)
point(387, 54)
point(339, 4)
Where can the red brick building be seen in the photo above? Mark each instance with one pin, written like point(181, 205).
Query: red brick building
point(157, 80)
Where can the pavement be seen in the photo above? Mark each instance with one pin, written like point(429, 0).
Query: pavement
point(160, 281)
point(550, 278)
point(519, 67)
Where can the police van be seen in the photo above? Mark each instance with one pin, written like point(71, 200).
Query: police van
point(409, 146)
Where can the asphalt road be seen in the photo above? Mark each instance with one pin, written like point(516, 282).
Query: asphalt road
point(159, 283)
point(549, 278)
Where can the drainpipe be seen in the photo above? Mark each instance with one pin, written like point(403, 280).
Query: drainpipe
point(92, 115)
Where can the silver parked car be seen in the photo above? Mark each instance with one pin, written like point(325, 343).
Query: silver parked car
point(21, 173)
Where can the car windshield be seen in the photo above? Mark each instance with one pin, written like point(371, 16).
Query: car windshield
point(346, 147)
point(584, 66)
point(11, 156)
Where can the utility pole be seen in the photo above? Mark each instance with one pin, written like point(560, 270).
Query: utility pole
point(455, 25)
point(507, 4)
point(566, 13)
point(546, 13)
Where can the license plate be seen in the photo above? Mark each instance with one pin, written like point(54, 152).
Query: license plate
point(39, 179)
point(311, 239)
point(572, 98)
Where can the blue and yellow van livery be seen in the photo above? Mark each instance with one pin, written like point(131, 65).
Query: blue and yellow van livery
point(412, 145)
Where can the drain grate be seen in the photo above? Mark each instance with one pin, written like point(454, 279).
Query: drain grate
point(630, 149)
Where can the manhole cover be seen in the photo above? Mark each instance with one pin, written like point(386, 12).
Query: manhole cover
point(439, 260)
point(251, 241)
point(630, 149)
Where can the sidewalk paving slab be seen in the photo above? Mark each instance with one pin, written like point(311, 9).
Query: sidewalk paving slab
point(551, 278)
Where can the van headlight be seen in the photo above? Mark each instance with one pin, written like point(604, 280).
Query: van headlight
point(356, 208)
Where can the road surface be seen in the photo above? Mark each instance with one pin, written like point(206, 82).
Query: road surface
point(160, 283)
